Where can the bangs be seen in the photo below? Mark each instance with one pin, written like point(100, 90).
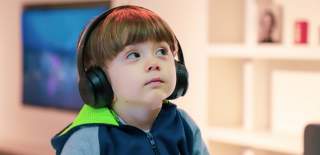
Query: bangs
point(132, 26)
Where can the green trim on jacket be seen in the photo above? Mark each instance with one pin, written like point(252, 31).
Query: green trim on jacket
point(90, 115)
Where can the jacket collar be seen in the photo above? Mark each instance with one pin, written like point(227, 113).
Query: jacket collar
point(90, 115)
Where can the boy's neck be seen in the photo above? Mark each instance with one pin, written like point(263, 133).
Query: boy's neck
point(141, 117)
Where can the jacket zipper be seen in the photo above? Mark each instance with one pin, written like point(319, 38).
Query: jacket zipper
point(149, 136)
point(153, 143)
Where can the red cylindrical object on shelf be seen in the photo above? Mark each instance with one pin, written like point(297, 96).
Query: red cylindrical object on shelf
point(301, 32)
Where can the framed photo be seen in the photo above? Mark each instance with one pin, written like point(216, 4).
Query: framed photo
point(269, 23)
point(49, 38)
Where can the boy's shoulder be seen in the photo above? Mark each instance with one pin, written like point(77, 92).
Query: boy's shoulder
point(199, 147)
point(186, 118)
point(86, 138)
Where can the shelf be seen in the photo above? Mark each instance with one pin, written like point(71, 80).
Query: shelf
point(288, 144)
point(264, 52)
point(218, 148)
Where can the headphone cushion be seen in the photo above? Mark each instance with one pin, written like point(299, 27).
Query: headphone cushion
point(95, 89)
point(85, 90)
point(182, 81)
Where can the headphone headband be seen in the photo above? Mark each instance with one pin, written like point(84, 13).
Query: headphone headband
point(84, 36)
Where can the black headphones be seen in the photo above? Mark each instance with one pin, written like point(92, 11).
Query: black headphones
point(94, 87)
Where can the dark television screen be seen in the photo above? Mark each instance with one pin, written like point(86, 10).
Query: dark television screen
point(49, 37)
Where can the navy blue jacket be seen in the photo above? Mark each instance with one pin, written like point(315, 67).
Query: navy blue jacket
point(172, 133)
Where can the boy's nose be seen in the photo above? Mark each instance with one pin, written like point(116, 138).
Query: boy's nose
point(153, 67)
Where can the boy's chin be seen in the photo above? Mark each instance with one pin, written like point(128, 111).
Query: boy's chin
point(154, 106)
point(155, 102)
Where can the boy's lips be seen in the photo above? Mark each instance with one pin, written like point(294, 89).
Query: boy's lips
point(154, 80)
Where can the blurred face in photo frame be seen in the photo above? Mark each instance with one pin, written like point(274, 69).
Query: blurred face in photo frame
point(266, 27)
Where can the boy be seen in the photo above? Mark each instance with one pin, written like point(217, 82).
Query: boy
point(135, 50)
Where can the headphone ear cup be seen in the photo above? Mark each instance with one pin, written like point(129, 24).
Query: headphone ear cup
point(95, 89)
point(85, 90)
point(182, 81)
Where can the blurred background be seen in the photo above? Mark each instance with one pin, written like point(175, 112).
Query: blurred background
point(253, 64)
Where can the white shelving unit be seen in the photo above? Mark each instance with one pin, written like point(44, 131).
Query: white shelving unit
point(264, 52)
point(260, 96)
point(259, 140)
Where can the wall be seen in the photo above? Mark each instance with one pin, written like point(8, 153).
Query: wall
point(23, 130)
point(27, 130)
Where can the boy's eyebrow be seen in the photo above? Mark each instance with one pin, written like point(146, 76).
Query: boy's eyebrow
point(164, 43)
point(127, 48)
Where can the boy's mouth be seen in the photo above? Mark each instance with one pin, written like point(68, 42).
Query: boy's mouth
point(154, 80)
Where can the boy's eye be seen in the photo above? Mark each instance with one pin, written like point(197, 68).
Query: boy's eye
point(133, 55)
point(161, 52)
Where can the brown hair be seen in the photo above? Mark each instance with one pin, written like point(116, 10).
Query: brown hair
point(125, 25)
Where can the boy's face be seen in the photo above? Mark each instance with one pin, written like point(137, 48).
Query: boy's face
point(143, 73)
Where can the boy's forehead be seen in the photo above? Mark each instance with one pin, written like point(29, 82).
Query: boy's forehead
point(146, 43)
